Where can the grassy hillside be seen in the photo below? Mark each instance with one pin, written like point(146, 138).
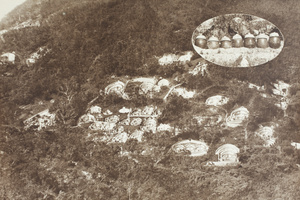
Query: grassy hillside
point(90, 44)
point(93, 39)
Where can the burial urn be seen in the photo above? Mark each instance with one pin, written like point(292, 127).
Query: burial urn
point(262, 41)
point(237, 41)
point(201, 41)
point(249, 41)
point(274, 40)
point(213, 43)
point(226, 42)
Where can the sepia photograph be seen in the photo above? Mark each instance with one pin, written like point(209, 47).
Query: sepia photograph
point(149, 100)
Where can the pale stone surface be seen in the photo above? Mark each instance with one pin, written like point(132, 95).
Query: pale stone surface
point(186, 57)
point(281, 88)
point(146, 87)
point(183, 58)
point(88, 175)
point(267, 134)
point(120, 138)
point(217, 100)
point(137, 112)
point(237, 117)
point(163, 82)
point(124, 110)
point(86, 118)
point(112, 119)
point(95, 110)
point(103, 126)
point(136, 122)
point(244, 63)
point(120, 129)
point(151, 80)
point(233, 57)
point(156, 89)
point(10, 57)
point(107, 112)
point(283, 104)
point(150, 125)
point(40, 120)
point(208, 120)
point(193, 147)
point(167, 59)
point(148, 110)
point(116, 87)
point(138, 135)
point(125, 121)
point(200, 68)
point(42, 51)
point(296, 145)
point(30, 61)
point(164, 127)
point(253, 86)
point(179, 91)
point(98, 116)
point(227, 153)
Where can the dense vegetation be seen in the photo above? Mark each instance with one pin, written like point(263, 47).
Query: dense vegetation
point(91, 41)
point(63, 165)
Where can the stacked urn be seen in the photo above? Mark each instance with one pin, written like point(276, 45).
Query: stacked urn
point(250, 41)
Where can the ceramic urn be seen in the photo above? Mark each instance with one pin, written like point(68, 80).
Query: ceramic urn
point(213, 43)
point(226, 42)
point(201, 41)
point(249, 41)
point(262, 41)
point(237, 41)
point(274, 40)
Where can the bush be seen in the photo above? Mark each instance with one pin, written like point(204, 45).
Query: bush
point(288, 151)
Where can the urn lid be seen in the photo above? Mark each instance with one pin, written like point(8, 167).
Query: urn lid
point(262, 36)
point(201, 37)
point(213, 38)
point(237, 36)
point(249, 35)
point(274, 34)
point(225, 38)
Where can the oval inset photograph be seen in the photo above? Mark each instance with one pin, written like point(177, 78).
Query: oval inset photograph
point(237, 40)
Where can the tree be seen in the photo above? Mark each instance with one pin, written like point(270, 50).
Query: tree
point(64, 106)
point(175, 109)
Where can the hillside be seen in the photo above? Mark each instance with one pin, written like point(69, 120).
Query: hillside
point(88, 110)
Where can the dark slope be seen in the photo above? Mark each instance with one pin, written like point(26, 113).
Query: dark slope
point(91, 40)
point(36, 9)
point(94, 39)
point(30, 9)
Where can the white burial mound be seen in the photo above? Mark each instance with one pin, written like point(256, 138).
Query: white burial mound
point(191, 147)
